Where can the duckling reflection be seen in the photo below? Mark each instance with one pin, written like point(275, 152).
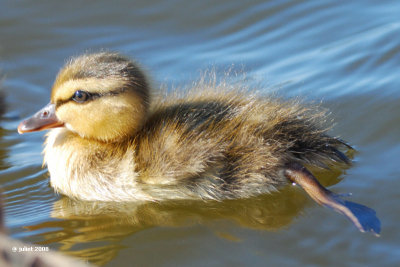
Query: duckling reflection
point(108, 142)
point(95, 231)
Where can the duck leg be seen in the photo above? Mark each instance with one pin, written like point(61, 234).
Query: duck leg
point(364, 218)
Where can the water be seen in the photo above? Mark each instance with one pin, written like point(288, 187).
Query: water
point(345, 54)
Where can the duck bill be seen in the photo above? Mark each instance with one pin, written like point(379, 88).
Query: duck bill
point(43, 119)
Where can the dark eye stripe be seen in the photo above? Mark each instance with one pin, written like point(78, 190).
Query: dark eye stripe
point(89, 96)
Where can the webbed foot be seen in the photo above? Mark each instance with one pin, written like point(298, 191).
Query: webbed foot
point(363, 218)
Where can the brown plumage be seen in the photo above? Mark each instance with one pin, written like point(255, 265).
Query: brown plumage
point(111, 143)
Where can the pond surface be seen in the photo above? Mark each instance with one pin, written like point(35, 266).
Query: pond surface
point(345, 55)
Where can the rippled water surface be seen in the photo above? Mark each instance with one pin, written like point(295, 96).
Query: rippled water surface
point(343, 54)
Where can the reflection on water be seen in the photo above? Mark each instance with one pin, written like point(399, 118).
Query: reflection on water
point(94, 230)
point(87, 226)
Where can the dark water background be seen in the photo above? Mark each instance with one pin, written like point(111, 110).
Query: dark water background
point(343, 53)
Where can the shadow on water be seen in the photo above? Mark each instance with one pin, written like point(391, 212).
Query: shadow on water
point(3, 151)
point(94, 231)
point(3, 148)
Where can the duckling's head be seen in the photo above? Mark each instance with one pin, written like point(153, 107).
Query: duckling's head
point(102, 96)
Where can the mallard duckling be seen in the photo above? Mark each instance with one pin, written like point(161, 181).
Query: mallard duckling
point(108, 143)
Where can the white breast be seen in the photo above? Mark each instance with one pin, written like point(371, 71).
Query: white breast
point(112, 180)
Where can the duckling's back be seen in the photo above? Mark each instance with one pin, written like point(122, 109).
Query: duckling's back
point(227, 145)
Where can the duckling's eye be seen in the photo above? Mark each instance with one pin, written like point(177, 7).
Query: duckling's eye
point(80, 96)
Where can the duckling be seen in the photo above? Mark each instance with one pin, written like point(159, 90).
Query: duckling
point(108, 142)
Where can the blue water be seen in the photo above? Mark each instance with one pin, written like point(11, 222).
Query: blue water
point(344, 55)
